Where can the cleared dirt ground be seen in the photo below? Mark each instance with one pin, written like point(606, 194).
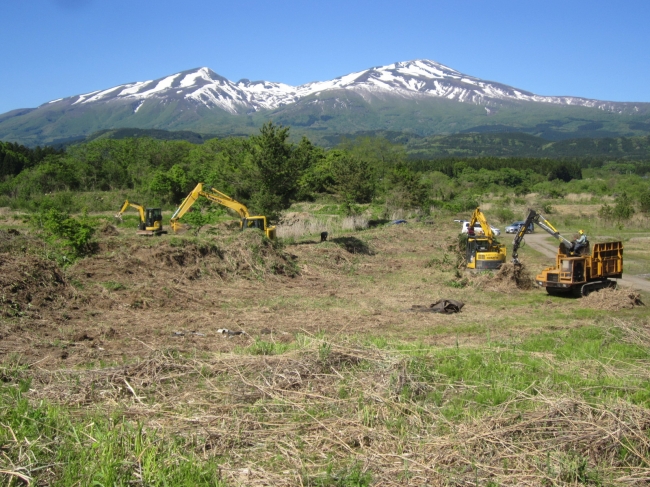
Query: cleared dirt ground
point(139, 294)
point(142, 295)
point(139, 327)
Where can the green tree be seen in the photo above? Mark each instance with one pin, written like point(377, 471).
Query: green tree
point(172, 185)
point(354, 178)
point(606, 212)
point(405, 189)
point(227, 165)
point(278, 166)
point(379, 152)
point(318, 178)
point(623, 209)
point(566, 172)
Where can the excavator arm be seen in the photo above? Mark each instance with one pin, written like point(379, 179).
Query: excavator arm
point(213, 195)
point(478, 216)
point(218, 197)
point(125, 207)
point(534, 217)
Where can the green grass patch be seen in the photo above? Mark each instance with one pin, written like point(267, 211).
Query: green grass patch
point(113, 285)
point(54, 447)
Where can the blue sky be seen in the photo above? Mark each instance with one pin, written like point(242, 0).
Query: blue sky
point(57, 48)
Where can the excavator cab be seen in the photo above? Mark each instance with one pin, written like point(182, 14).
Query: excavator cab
point(152, 216)
point(258, 223)
point(482, 254)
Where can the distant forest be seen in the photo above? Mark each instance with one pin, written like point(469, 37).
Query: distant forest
point(470, 144)
point(269, 172)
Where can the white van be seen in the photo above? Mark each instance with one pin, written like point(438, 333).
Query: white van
point(478, 230)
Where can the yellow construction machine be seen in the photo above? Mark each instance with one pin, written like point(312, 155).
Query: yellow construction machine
point(150, 219)
point(247, 221)
point(483, 251)
point(577, 270)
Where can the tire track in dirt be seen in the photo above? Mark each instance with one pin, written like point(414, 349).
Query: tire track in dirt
point(539, 242)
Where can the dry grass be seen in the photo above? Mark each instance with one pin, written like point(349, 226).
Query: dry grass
point(356, 222)
point(578, 197)
point(613, 299)
point(302, 228)
point(280, 420)
point(305, 389)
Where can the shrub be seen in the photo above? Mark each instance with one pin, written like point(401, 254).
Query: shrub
point(644, 201)
point(504, 215)
point(61, 228)
point(623, 209)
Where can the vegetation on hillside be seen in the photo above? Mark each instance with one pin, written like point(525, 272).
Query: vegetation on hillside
point(268, 172)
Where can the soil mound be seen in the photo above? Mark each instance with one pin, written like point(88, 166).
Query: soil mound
point(109, 230)
point(324, 258)
point(246, 255)
point(251, 253)
point(516, 275)
point(510, 278)
point(14, 241)
point(175, 255)
point(28, 282)
point(612, 299)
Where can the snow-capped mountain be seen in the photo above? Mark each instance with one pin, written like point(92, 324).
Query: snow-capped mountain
point(201, 86)
point(421, 78)
point(415, 97)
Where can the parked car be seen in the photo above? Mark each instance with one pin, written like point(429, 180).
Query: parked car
point(514, 227)
point(478, 230)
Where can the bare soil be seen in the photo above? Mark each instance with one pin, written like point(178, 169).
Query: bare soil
point(139, 294)
point(139, 326)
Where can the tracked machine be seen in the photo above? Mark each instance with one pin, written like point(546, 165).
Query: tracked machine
point(150, 219)
point(483, 251)
point(215, 196)
point(578, 272)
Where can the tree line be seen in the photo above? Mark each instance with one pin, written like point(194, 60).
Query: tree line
point(268, 172)
point(14, 158)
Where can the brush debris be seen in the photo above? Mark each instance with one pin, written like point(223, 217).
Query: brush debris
point(445, 306)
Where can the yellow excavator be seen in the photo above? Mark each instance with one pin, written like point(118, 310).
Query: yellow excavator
point(247, 221)
point(150, 219)
point(483, 251)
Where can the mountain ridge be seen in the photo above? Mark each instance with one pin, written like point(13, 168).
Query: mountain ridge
point(418, 77)
point(437, 98)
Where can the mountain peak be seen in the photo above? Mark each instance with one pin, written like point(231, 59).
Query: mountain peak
point(414, 78)
point(201, 98)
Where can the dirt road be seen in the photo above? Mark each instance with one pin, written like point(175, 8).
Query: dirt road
point(539, 242)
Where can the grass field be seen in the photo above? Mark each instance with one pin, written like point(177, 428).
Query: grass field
point(116, 369)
